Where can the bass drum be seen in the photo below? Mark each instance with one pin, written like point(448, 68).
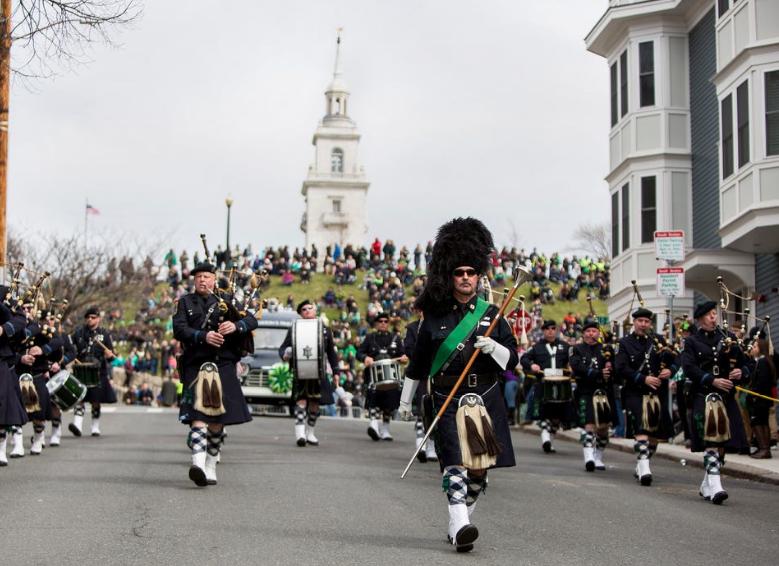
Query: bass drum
point(308, 349)
point(65, 390)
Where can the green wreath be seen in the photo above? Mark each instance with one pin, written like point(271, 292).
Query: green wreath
point(280, 378)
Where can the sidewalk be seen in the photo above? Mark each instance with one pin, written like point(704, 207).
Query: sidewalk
point(766, 471)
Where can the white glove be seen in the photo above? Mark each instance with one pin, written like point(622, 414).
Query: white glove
point(407, 397)
point(485, 344)
point(287, 353)
point(498, 351)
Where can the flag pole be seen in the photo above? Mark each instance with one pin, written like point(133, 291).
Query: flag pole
point(86, 218)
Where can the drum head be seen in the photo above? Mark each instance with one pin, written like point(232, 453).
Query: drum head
point(308, 348)
point(56, 381)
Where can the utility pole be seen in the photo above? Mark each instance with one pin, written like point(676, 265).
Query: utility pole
point(5, 84)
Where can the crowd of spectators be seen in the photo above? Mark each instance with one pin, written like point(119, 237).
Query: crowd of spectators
point(387, 278)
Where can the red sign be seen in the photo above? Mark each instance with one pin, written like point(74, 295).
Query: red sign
point(523, 319)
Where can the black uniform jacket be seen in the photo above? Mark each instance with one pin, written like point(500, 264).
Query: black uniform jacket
point(410, 340)
point(639, 357)
point(706, 356)
point(587, 363)
point(196, 316)
point(381, 345)
point(539, 354)
point(434, 329)
point(84, 342)
point(14, 331)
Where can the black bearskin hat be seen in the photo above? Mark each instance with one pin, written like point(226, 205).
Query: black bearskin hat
point(460, 242)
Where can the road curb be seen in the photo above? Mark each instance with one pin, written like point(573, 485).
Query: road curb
point(734, 469)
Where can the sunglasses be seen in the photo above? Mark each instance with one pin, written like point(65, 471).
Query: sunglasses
point(468, 272)
point(93, 316)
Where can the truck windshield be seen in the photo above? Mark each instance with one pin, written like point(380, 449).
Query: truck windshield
point(269, 338)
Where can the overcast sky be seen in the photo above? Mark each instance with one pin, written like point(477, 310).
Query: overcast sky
point(492, 109)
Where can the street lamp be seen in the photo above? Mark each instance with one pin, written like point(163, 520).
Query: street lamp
point(229, 259)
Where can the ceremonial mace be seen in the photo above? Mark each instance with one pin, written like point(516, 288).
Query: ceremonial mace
point(522, 274)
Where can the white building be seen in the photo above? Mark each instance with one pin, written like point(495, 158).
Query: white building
point(336, 189)
point(694, 144)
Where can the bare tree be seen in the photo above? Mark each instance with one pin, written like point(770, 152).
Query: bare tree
point(101, 275)
point(594, 239)
point(513, 234)
point(61, 31)
point(42, 31)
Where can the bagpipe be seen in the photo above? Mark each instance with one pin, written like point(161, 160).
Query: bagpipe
point(232, 309)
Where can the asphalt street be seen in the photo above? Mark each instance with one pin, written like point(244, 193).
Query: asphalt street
point(125, 498)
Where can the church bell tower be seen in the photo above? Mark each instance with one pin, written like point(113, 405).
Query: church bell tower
point(335, 189)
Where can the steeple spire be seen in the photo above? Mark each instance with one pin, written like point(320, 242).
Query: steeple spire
point(337, 72)
point(337, 94)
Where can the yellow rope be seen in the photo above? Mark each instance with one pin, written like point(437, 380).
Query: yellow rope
point(756, 394)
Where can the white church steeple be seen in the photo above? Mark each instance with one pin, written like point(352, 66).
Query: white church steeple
point(335, 189)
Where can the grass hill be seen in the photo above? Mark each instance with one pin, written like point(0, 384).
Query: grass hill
point(320, 283)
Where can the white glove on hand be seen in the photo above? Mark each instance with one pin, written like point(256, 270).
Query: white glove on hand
point(485, 344)
point(498, 351)
point(287, 353)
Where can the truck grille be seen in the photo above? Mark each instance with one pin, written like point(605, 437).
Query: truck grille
point(257, 378)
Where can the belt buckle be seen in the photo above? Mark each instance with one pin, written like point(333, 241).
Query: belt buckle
point(473, 380)
point(715, 370)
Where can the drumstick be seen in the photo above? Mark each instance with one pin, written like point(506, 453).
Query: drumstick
point(106, 348)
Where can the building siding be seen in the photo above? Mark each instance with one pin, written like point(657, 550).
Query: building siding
point(704, 131)
point(766, 284)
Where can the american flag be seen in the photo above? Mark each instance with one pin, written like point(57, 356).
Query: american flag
point(92, 210)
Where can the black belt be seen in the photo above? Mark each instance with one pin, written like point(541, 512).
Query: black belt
point(471, 380)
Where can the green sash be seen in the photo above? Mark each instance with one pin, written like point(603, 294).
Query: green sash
point(457, 337)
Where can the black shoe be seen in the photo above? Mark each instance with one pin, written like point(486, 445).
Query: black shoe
point(74, 429)
point(198, 475)
point(465, 537)
point(373, 434)
point(590, 466)
point(211, 482)
point(421, 456)
point(3, 464)
point(718, 498)
point(95, 434)
point(647, 480)
point(17, 456)
point(548, 448)
point(301, 442)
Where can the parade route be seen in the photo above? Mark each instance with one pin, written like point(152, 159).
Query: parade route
point(124, 498)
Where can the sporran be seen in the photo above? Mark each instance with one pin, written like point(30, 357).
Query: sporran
point(716, 426)
point(208, 391)
point(478, 444)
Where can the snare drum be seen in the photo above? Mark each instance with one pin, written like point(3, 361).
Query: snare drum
point(87, 373)
point(66, 390)
point(308, 348)
point(557, 389)
point(384, 375)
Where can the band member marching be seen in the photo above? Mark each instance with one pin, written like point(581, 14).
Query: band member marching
point(713, 361)
point(308, 394)
point(377, 346)
point(94, 351)
point(643, 366)
point(591, 367)
point(472, 434)
point(39, 359)
point(547, 361)
point(12, 330)
point(213, 345)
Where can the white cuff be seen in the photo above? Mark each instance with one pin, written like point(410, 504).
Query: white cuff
point(501, 355)
point(409, 390)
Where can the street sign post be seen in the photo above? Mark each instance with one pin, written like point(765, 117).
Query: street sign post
point(669, 245)
point(670, 281)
